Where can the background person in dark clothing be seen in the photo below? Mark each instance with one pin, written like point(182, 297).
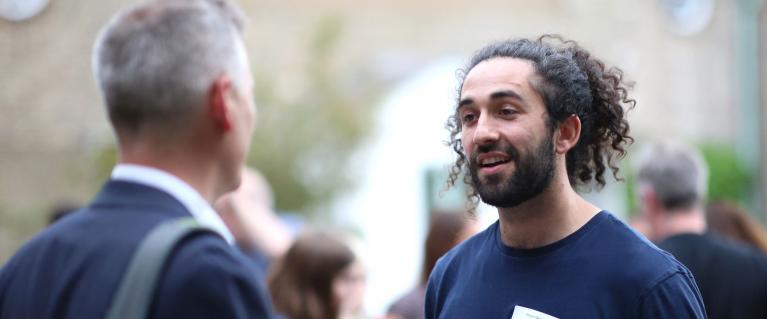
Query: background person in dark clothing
point(732, 277)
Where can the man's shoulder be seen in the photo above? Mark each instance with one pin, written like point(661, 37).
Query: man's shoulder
point(623, 241)
point(632, 266)
point(207, 254)
point(449, 268)
point(205, 267)
point(649, 264)
point(467, 255)
point(470, 249)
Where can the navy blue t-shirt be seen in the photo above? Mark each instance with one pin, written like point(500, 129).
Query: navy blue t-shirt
point(603, 270)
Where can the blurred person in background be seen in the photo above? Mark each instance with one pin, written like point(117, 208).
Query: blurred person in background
point(731, 221)
point(672, 181)
point(446, 230)
point(319, 277)
point(176, 83)
point(534, 120)
point(638, 222)
point(249, 214)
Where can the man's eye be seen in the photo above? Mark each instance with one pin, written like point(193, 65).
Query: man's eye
point(468, 117)
point(508, 111)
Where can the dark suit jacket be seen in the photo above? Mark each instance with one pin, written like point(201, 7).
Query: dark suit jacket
point(73, 268)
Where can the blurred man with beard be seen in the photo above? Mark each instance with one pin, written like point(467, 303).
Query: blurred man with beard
point(535, 120)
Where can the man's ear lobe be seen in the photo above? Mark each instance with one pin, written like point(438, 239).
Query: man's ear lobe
point(218, 103)
point(569, 134)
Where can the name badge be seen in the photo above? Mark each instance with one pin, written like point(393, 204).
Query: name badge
point(527, 313)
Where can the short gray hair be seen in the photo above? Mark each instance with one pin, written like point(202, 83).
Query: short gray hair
point(156, 61)
point(676, 172)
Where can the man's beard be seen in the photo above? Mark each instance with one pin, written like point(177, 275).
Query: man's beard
point(532, 175)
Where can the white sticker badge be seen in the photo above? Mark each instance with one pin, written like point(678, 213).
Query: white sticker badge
point(527, 313)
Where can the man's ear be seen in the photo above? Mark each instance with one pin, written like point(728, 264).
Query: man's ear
point(218, 103)
point(649, 200)
point(569, 133)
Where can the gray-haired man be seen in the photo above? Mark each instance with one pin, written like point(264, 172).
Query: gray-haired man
point(176, 84)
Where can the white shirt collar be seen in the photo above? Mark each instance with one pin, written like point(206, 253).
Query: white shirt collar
point(178, 189)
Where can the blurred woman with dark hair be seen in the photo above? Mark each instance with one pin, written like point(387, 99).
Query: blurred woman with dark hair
point(319, 277)
point(729, 220)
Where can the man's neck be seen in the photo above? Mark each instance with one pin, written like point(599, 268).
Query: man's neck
point(190, 169)
point(545, 219)
point(688, 221)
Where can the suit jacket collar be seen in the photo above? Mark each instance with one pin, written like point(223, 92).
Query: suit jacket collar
point(179, 189)
point(141, 199)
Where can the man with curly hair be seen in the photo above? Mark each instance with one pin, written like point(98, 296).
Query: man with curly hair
point(535, 120)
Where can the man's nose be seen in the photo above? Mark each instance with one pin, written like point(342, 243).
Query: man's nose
point(486, 131)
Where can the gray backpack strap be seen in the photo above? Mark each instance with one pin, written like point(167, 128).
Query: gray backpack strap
point(134, 295)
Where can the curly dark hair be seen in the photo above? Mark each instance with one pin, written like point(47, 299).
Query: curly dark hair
point(570, 82)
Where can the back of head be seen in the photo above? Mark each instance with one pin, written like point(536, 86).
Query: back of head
point(301, 282)
point(156, 61)
point(676, 173)
point(571, 82)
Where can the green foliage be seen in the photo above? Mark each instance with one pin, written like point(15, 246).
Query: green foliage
point(304, 138)
point(729, 178)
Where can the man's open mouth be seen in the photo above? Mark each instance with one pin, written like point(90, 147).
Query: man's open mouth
point(492, 161)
